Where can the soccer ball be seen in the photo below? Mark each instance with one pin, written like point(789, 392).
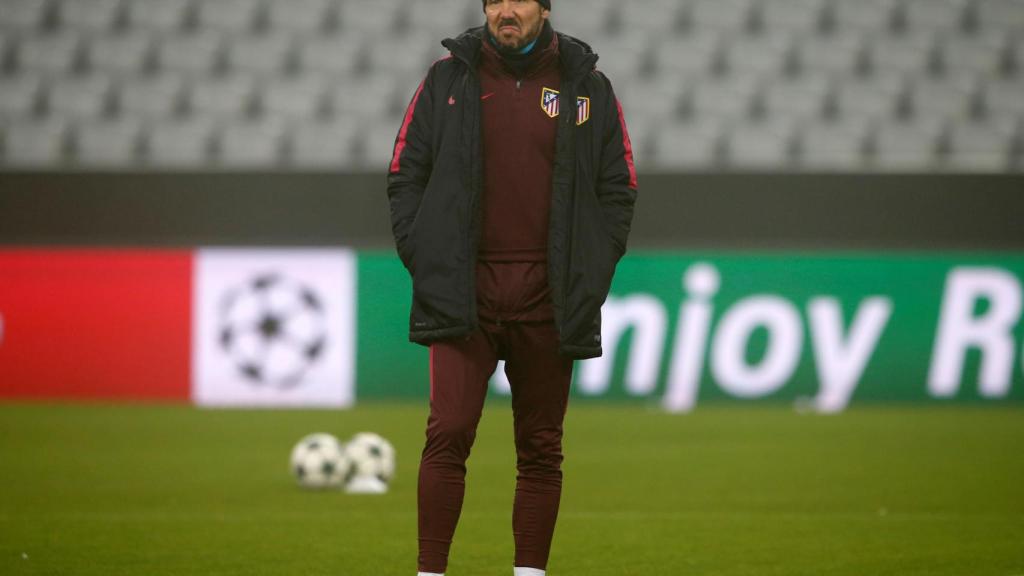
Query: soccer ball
point(274, 330)
point(373, 463)
point(320, 461)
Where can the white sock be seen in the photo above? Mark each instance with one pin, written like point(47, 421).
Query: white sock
point(527, 572)
point(428, 574)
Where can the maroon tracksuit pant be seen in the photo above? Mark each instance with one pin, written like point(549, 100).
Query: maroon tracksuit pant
point(516, 325)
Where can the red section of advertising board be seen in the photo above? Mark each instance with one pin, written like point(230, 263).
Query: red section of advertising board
point(104, 324)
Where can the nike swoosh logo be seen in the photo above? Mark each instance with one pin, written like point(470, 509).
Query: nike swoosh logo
point(486, 96)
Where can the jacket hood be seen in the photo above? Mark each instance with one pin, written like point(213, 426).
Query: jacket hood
point(577, 57)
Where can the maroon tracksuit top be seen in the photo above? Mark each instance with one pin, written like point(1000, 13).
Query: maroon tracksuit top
point(519, 155)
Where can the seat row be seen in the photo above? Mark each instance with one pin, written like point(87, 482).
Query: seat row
point(583, 16)
point(911, 146)
point(380, 96)
point(343, 144)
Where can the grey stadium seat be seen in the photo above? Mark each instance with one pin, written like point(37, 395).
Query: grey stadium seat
point(950, 96)
point(371, 97)
point(623, 55)
point(585, 19)
point(726, 98)
point(294, 98)
point(324, 145)
point(35, 143)
point(129, 53)
point(760, 145)
point(693, 53)
point(334, 56)
point(798, 98)
point(838, 53)
point(862, 15)
point(935, 15)
point(441, 18)
point(657, 99)
point(724, 15)
point(641, 136)
point(1004, 99)
point(907, 54)
point(252, 144)
point(407, 56)
point(833, 146)
point(980, 147)
point(760, 55)
point(376, 145)
point(369, 18)
point(77, 97)
point(301, 17)
point(95, 16)
point(792, 16)
point(19, 96)
point(688, 145)
point(981, 53)
point(55, 53)
point(1015, 60)
point(6, 49)
point(23, 15)
point(150, 97)
point(264, 54)
point(907, 146)
point(1005, 15)
point(192, 53)
point(870, 98)
point(176, 144)
point(232, 16)
point(222, 97)
point(108, 144)
point(159, 15)
point(657, 17)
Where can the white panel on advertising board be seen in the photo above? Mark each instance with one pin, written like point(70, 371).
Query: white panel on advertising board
point(274, 328)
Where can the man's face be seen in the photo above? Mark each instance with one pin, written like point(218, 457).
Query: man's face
point(515, 23)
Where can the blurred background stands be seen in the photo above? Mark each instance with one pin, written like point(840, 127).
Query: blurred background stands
point(765, 85)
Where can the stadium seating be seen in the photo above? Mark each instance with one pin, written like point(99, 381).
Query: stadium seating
point(19, 97)
point(689, 145)
point(95, 16)
point(251, 144)
point(36, 143)
point(324, 146)
point(173, 144)
point(124, 54)
point(833, 146)
point(79, 97)
point(102, 144)
point(23, 16)
point(843, 85)
point(151, 97)
point(158, 16)
point(979, 147)
point(54, 54)
point(907, 146)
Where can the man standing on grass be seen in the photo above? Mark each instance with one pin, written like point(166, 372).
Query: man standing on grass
point(511, 190)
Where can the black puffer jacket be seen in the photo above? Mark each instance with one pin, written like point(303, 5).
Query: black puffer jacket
point(435, 187)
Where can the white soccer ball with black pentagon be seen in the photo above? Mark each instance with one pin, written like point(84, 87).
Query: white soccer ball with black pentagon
point(373, 463)
point(319, 461)
point(274, 330)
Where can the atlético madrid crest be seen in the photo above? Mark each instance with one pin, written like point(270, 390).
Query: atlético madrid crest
point(549, 103)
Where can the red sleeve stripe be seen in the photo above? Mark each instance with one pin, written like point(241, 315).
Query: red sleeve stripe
point(628, 147)
point(400, 143)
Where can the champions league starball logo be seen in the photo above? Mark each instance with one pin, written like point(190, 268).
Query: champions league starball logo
point(273, 329)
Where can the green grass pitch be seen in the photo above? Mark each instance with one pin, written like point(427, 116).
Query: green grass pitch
point(725, 491)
